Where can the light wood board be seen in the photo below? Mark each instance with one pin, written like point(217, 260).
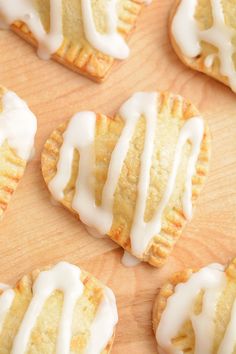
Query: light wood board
point(35, 233)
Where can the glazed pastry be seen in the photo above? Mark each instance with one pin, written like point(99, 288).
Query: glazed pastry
point(84, 35)
point(59, 310)
point(203, 35)
point(133, 184)
point(17, 131)
point(195, 312)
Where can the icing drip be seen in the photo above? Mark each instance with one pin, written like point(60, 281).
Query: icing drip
point(24, 10)
point(80, 135)
point(93, 232)
point(103, 325)
point(129, 261)
point(6, 301)
point(112, 42)
point(180, 308)
point(18, 125)
point(188, 36)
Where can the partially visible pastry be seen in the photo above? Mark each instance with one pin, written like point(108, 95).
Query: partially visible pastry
point(18, 127)
point(195, 312)
point(84, 35)
point(203, 35)
point(136, 177)
point(59, 310)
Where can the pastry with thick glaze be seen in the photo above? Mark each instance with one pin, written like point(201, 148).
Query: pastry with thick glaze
point(59, 310)
point(203, 35)
point(136, 177)
point(18, 126)
point(195, 312)
point(84, 35)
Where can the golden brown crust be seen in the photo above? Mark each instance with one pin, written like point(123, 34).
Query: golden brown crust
point(12, 168)
point(84, 59)
point(168, 289)
point(174, 220)
point(43, 339)
point(198, 62)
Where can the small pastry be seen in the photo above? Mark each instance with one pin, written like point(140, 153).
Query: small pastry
point(84, 35)
point(203, 35)
point(59, 310)
point(18, 127)
point(134, 177)
point(195, 312)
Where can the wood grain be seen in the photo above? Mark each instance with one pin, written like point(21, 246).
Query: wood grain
point(35, 233)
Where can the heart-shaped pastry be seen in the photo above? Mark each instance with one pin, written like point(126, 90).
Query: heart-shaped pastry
point(203, 34)
point(84, 35)
point(18, 126)
point(195, 312)
point(134, 177)
point(59, 310)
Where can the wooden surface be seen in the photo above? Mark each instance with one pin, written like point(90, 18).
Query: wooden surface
point(35, 233)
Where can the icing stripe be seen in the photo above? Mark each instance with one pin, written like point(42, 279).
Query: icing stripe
point(111, 43)
point(129, 261)
point(189, 37)
point(103, 325)
point(141, 232)
point(80, 135)
point(18, 125)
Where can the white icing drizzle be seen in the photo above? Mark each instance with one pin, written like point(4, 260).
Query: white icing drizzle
point(188, 36)
point(180, 308)
point(93, 232)
point(24, 10)
point(103, 325)
point(129, 261)
point(18, 125)
point(80, 135)
point(6, 301)
point(112, 42)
